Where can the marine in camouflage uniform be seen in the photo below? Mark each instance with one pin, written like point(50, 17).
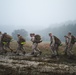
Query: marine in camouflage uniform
point(5, 42)
point(34, 44)
point(21, 41)
point(70, 45)
point(66, 44)
point(54, 45)
point(0, 39)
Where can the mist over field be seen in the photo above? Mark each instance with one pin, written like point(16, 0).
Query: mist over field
point(38, 16)
point(20, 55)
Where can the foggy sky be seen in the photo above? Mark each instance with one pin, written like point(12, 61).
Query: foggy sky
point(36, 14)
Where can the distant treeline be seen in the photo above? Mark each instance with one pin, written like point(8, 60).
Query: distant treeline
point(59, 31)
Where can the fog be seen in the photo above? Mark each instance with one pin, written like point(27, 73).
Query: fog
point(36, 14)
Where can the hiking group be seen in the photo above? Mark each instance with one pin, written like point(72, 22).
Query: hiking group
point(55, 42)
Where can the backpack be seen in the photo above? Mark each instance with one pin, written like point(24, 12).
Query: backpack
point(73, 40)
point(57, 41)
point(22, 39)
point(38, 38)
point(7, 38)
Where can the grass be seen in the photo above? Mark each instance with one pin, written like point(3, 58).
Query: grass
point(46, 51)
point(44, 47)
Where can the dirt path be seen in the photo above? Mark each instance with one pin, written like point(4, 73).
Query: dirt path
point(28, 65)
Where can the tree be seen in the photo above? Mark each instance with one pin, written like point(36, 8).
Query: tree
point(22, 32)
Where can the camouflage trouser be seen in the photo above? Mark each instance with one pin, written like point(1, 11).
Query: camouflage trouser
point(0, 45)
point(20, 48)
point(54, 50)
point(35, 47)
point(69, 50)
point(4, 46)
point(65, 50)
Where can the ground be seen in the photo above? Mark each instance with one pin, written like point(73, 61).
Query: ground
point(11, 64)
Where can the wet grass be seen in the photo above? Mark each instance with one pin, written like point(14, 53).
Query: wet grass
point(46, 53)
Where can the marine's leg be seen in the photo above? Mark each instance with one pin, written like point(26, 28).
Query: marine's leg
point(52, 51)
point(3, 47)
point(69, 51)
point(8, 46)
point(37, 49)
point(33, 48)
point(22, 49)
point(56, 49)
point(65, 50)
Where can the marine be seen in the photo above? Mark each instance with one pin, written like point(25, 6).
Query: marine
point(35, 41)
point(21, 41)
point(70, 43)
point(5, 41)
point(54, 45)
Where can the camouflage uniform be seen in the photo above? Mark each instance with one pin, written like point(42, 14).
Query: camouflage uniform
point(66, 45)
point(54, 46)
point(0, 39)
point(21, 42)
point(70, 46)
point(34, 46)
point(5, 41)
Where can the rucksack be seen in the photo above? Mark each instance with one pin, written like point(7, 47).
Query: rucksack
point(57, 41)
point(7, 38)
point(73, 40)
point(37, 39)
point(22, 39)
